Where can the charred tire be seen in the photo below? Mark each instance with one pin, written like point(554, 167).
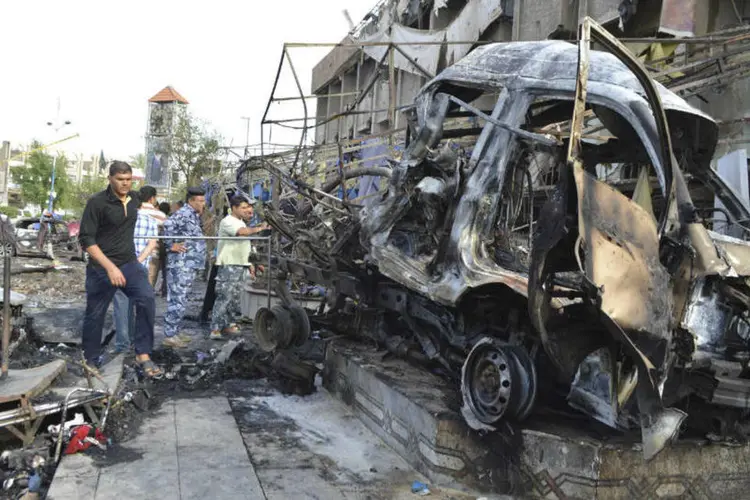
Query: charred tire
point(273, 328)
point(498, 381)
point(302, 328)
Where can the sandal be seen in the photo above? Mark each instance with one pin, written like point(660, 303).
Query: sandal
point(150, 369)
point(231, 329)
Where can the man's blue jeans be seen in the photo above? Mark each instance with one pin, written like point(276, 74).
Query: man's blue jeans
point(124, 318)
point(99, 294)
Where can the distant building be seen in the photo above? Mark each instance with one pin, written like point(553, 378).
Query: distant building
point(163, 111)
point(82, 166)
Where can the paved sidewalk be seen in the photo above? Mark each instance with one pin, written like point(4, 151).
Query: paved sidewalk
point(191, 449)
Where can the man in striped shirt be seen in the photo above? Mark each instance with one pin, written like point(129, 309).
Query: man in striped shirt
point(146, 226)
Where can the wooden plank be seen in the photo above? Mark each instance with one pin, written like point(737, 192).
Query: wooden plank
point(30, 382)
point(111, 372)
point(20, 435)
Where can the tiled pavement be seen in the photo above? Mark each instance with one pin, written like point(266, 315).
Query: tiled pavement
point(191, 449)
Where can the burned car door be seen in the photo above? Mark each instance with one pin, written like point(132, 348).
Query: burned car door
point(615, 254)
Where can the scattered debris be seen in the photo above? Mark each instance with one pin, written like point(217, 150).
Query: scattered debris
point(420, 488)
point(76, 421)
point(226, 352)
point(82, 437)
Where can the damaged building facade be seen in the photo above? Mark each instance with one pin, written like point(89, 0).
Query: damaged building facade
point(430, 35)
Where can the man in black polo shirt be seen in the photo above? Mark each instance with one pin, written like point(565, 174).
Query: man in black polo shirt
point(107, 228)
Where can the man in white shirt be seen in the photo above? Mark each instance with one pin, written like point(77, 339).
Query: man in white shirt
point(234, 267)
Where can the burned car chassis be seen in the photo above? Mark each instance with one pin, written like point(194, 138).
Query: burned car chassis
point(525, 255)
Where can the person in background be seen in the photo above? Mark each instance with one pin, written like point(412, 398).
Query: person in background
point(107, 232)
point(46, 227)
point(148, 207)
point(177, 205)
point(184, 259)
point(166, 210)
point(234, 267)
point(146, 226)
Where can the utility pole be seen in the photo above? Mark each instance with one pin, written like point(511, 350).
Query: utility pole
point(56, 125)
point(247, 134)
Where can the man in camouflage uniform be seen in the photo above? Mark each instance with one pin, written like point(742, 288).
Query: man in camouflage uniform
point(234, 267)
point(184, 259)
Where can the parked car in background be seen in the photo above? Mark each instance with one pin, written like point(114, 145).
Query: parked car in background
point(30, 243)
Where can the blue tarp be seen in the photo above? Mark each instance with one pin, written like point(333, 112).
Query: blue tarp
point(369, 184)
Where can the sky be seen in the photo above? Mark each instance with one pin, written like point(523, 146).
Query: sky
point(103, 60)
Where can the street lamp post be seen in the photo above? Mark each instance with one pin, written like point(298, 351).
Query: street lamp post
point(247, 134)
point(56, 125)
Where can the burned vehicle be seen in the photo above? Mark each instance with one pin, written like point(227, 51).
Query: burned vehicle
point(36, 239)
point(583, 241)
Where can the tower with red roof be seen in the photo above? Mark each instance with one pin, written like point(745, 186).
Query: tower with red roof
point(163, 110)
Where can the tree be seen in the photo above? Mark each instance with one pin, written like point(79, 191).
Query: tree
point(34, 178)
point(193, 150)
point(77, 197)
point(102, 161)
point(138, 161)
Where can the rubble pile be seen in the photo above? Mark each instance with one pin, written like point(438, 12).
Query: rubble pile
point(198, 373)
point(45, 281)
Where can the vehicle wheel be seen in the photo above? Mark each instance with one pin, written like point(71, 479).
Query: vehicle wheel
point(302, 327)
point(273, 328)
point(498, 381)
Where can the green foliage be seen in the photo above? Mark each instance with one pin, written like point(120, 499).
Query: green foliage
point(179, 191)
point(138, 161)
point(78, 196)
point(11, 212)
point(194, 150)
point(34, 178)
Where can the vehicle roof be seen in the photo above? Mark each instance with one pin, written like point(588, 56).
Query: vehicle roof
point(552, 65)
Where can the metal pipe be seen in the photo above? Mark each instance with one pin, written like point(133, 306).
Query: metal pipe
point(273, 90)
point(58, 448)
point(339, 94)
point(103, 423)
point(333, 116)
point(267, 239)
point(406, 56)
point(269, 275)
point(303, 136)
point(20, 415)
point(391, 89)
point(677, 40)
point(519, 132)
point(7, 252)
point(162, 237)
